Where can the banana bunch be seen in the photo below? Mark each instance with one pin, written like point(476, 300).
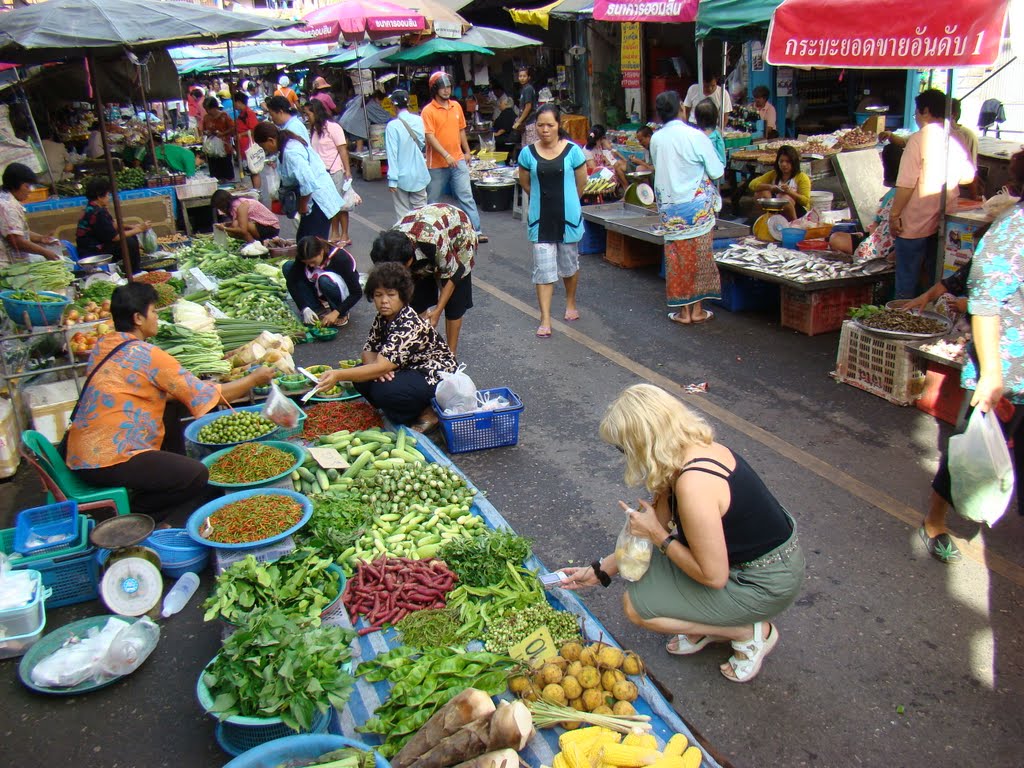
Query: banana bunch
point(598, 186)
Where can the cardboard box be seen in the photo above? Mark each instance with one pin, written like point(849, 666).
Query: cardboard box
point(50, 407)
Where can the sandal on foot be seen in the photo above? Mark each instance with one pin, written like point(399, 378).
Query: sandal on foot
point(571, 314)
point(941, 547)
point(674, 317)
point(755, 649)
point(543, 332)
point(708, 317)
point(681, 645)
point(482, 238)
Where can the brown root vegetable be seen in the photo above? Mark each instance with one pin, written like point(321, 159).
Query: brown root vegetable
point(500, 758)
point(466, 743)
point(470, 705)
point(511, 726)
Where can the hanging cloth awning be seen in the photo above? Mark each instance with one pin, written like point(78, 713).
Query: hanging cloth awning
point(886, 34)
point(560, 9)
point(657, 11)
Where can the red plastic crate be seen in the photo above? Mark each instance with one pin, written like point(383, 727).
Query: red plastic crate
point(943, 395)
point(814, 312)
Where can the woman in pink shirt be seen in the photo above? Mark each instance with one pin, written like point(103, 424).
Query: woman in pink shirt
point(322, 93)
point(329, 141)
point(250, 219)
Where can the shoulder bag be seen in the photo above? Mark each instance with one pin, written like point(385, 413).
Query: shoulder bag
point(62, 448)
point(412, 133)
point(288, 195)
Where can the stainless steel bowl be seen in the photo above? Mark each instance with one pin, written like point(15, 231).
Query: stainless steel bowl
point(773, 203)
point(96, 261)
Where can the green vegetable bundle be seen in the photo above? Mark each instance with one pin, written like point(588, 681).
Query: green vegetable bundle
point(99, 291)
point(516, 626)
point(199, 353)
point(480, 607)
point(281, 666)
point(131, 178)
point(422, 682)
point(298, 584)
point(339, 519)
point(261, 307)
point(235, 332)
point(36, 276)
point(481, 560)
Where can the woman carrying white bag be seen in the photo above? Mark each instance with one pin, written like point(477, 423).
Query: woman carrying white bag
point(980, 486)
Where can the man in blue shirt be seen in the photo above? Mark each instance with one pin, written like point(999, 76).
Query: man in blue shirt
point(404, 141)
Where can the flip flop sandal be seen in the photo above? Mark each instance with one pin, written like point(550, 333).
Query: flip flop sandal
point(674, 317)
point(482, 238)
point(941, 547)
point(685, 647)
point(755, 650)
point(708, 317)
point(543, 332)
point(571, 315)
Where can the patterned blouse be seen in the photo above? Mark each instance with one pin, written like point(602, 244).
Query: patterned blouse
point(412, 344)
point(13, 221)
point(448, 231)
point(121, 413)
point(996, 287)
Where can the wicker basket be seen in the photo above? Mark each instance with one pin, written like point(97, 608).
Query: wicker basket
point(879, 365)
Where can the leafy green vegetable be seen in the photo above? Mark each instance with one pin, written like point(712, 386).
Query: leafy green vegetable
point(481, 560)
point(339, 519)
point(863, 311)
point(281, 666)
point(424, 681)
point(299, 584)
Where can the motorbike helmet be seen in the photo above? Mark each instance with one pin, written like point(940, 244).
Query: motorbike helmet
point(400, 98)
point(439, 80)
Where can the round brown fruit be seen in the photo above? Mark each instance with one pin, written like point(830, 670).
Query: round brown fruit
point(571, 651)
point(623, 708)
point(625, 691)
point(553, 693)
point(572, 687)
point(632, 664)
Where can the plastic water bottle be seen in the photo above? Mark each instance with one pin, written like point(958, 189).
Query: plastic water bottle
point(180, 594)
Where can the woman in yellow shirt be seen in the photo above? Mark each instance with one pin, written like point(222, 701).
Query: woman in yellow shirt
point(786, 180)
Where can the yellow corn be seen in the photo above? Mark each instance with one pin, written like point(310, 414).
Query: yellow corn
point(626, 756)
point(640, 739)
point(575, 756)
point(590, 737)
point(669, 761)
point(676, 745)
point(692, 757)
point(559, 761)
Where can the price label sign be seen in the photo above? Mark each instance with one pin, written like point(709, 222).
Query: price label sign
point(535, 649)
point(328, 458)
point(204, 282)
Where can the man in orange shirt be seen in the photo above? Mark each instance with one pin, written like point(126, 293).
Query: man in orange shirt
point(283, 90)
point(444, 126)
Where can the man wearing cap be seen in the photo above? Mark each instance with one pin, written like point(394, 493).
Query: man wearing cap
point(444, 127)
point(404, 143)
point(283, 90)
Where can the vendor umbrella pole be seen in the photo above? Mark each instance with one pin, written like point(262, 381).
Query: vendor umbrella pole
point(721, 88)
point(118, 219)
point(35, 130)
point(940, 258)
point(145, 114)
point(231, 92)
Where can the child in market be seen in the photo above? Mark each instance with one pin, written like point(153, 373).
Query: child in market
point(705, 116)
point(245, 219)
point(323, 281)
point(599, 154)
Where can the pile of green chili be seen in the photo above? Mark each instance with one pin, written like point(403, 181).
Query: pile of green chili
point(252, 519)
point(251, 463)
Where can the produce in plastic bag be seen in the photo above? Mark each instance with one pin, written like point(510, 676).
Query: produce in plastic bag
point(280, 409)
point(456, 393)
point(632, 553)
point(980, 469)
point(130, 647)
point(148, 241)
point(117, 649)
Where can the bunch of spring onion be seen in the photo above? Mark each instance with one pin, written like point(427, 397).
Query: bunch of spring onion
point(199, 353)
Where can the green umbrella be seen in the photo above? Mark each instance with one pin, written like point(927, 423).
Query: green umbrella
point(436, 47)
point(376, 60)
point(353, 54)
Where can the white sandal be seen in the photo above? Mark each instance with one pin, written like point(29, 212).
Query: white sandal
point(755, 650)
point(685, 647)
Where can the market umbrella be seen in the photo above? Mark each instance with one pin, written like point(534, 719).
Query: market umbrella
point(442, 19)
point(497, 39)
point(364, 51)
point(436, 47)
point(71, 28)
point(376, 60)
point(354, 19)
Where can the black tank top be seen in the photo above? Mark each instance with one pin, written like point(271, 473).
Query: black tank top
point(755, 522)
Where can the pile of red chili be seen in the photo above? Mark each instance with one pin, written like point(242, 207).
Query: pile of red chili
point(250, 463)
point(252, 519)
point(389, 588)
point(328, 418)
point(153, 278)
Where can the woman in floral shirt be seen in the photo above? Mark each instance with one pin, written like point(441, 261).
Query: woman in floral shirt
point(403, 357)
point(994, 369)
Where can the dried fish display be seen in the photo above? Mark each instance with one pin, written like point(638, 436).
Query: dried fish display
point(903, 322)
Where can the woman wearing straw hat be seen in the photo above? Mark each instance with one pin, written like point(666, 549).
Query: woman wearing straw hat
point(322, 93)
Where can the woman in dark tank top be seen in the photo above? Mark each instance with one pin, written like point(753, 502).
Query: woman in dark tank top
point(725, 557)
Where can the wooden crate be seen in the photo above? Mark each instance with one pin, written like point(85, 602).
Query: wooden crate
point(630, 253)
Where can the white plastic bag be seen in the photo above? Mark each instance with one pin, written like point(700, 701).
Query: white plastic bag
point(456, 393)
point(130, 647)
point(632, 554)
point(213, 146)
point(350, 199)
point(999, 202)
point(271, 181)
point(980, 469)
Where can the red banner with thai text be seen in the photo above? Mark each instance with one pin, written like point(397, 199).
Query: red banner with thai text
point(663, 11)
point(886, 34)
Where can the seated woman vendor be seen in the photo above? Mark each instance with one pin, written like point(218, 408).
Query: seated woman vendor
point(725, 560)
point(125, 430)
point(323, 282)
point(786, 180)
point(249, 219)
point(97, 232)
point(403, 357)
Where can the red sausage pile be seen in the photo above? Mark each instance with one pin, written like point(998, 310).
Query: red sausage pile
point(389, 588)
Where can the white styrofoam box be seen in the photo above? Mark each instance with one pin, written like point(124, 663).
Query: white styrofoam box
point(50, 406)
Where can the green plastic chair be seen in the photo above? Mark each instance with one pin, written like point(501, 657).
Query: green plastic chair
point(66, 481)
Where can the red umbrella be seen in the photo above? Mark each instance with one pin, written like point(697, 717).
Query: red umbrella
point(886, 34)
point(355, 18)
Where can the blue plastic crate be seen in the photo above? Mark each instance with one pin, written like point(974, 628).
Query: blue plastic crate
point(73, 578)
point(594, 238)
point(46, 528)
point(76, 545)
point(487, 429)
point(747, 294)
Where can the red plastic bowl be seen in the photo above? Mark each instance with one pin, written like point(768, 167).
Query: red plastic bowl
point(813, 245)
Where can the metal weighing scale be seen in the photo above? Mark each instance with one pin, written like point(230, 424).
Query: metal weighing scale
point(131, 584)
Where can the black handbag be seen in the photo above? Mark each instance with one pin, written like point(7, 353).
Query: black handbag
point(62, 448)
point(289, 199)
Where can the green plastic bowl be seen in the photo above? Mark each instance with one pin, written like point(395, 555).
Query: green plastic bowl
point(324, 334)
point(293, 382)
